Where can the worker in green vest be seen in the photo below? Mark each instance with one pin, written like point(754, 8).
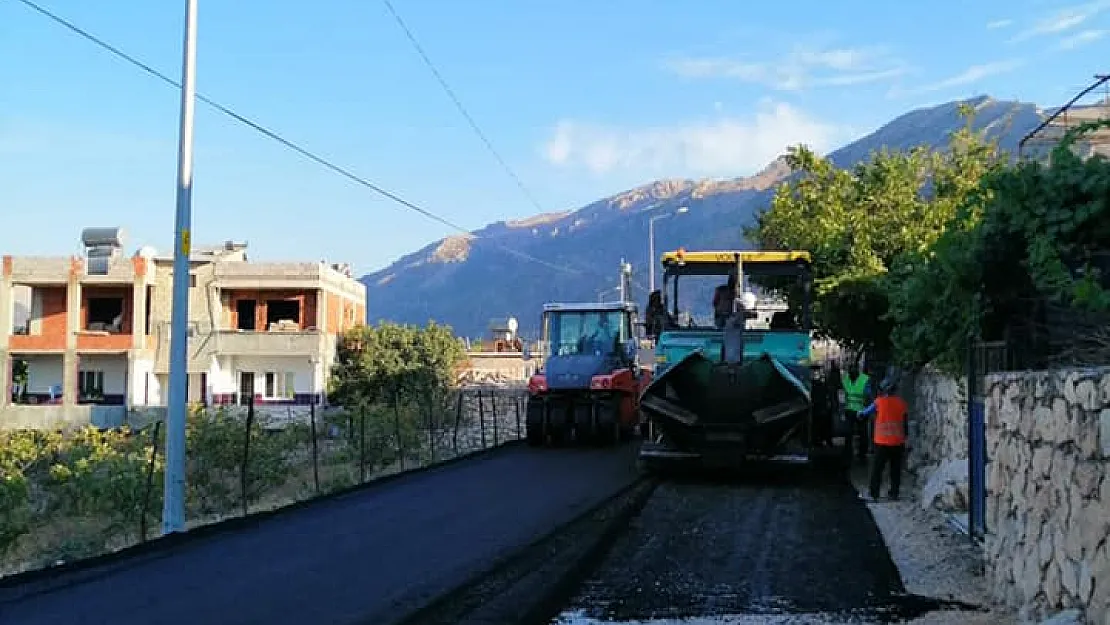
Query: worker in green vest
point(857, 396)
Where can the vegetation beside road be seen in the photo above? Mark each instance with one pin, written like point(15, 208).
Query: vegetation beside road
point(918, 253)
point(71, 495)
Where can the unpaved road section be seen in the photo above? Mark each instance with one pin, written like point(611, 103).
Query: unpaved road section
point(369, 557)
point(785, 546)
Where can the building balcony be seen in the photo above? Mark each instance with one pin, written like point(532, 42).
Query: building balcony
point(249, 343)
point(29, 343)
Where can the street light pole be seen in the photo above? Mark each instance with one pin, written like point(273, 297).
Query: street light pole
point(651, 244)
point(173, 506)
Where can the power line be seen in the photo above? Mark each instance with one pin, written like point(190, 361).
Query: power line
point(282, 140)
point(459, 105)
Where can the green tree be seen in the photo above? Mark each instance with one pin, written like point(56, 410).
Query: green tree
point(859, 224)
point(393, 373)
point(1028, 232)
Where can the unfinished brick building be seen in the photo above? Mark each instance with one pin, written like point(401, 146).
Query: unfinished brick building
point(85, 339)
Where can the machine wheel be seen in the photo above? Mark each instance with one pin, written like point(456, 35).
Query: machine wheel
point(608, 430)
point(560, 421)
point(583, 424)
point(533, 422)
point(630, 428)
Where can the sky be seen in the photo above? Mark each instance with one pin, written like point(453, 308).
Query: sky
point(580, 99)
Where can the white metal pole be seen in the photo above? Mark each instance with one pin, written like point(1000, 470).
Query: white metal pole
point(173, 507)
point(622, 281)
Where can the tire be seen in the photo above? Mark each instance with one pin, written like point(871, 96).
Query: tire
point(584, 430)
point(560, 421)
point(607, 412)
point(534, 422)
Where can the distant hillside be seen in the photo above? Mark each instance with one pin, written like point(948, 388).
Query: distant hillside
point(469, 280)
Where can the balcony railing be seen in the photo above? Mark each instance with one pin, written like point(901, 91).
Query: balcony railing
point(242, 342)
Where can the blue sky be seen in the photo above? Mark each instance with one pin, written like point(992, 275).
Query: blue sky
point(582, 99)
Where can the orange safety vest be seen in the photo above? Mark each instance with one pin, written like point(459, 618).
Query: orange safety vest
point(890, 420)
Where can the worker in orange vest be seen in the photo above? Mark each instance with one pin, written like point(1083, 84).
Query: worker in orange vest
point(889, 436)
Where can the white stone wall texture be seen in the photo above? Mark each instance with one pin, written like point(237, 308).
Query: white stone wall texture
point(937, 460)
point(1048, 499)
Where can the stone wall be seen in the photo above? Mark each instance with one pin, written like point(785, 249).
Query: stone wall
point(1048, 499)
point(937, 461)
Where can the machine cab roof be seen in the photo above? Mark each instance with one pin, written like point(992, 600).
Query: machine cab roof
point(590, 307)
point(719, 263)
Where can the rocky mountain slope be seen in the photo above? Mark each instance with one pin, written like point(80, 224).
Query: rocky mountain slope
point(469, 280)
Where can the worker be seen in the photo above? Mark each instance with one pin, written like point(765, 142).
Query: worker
point(656, 315)
point(603, 338)
point(723, 297)
point(857, 394)
point(833, 398)
point(889, 411)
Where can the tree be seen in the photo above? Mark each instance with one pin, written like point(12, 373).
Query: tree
point(393, 364)
point(1028, 233)
point(859, 224)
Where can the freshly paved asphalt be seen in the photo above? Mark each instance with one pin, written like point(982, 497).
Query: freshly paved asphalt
point(794, 542)
point(368, 557)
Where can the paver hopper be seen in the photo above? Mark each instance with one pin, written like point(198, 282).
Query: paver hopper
point(735, 390)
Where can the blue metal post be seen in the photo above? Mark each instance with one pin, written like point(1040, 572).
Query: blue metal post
point(173, 510)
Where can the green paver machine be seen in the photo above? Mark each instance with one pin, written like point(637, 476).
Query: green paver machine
point(739, 389)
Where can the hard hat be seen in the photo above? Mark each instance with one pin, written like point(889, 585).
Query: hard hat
point(748, 300)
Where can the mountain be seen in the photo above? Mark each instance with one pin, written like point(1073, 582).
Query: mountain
point(511, 268)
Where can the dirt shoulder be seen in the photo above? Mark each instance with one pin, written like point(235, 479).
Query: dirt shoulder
point(934, 559)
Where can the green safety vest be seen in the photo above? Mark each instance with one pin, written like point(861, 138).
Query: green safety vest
point(855, 392)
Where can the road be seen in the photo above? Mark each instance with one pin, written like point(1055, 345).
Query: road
point(794, 543)
point(368, 557)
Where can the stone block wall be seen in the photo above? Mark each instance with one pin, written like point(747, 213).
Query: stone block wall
point(1048, 499)
point(937, 462)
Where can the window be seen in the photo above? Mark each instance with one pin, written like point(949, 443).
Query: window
point(280, 385)
point(104, 314)
point(283, 312)
point(245, 312)
point(587, 332)
point(90, 383)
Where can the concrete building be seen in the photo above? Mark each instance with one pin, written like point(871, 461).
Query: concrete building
point(94, 337)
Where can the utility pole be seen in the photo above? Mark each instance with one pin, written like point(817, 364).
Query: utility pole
point(173, 506)
point(682, 210)
point(620, 281)
point(625, 286)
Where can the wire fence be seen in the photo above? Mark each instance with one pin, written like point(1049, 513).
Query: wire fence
point(82, 493)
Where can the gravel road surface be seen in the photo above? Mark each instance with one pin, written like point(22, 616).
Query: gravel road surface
point(788, 546)
point(368, 557)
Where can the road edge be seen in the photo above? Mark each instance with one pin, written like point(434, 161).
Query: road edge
point(60, 576)
point(560, 579)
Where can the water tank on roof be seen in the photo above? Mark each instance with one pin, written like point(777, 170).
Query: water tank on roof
point(102, 237)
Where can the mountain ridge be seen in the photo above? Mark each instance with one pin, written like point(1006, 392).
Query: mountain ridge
point(511, 267)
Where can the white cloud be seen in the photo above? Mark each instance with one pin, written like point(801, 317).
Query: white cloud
point(969, 76)
point(1081, 38)
point(1063, 20)
point(726, 146)
point(799, 69)
point(996, 24)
